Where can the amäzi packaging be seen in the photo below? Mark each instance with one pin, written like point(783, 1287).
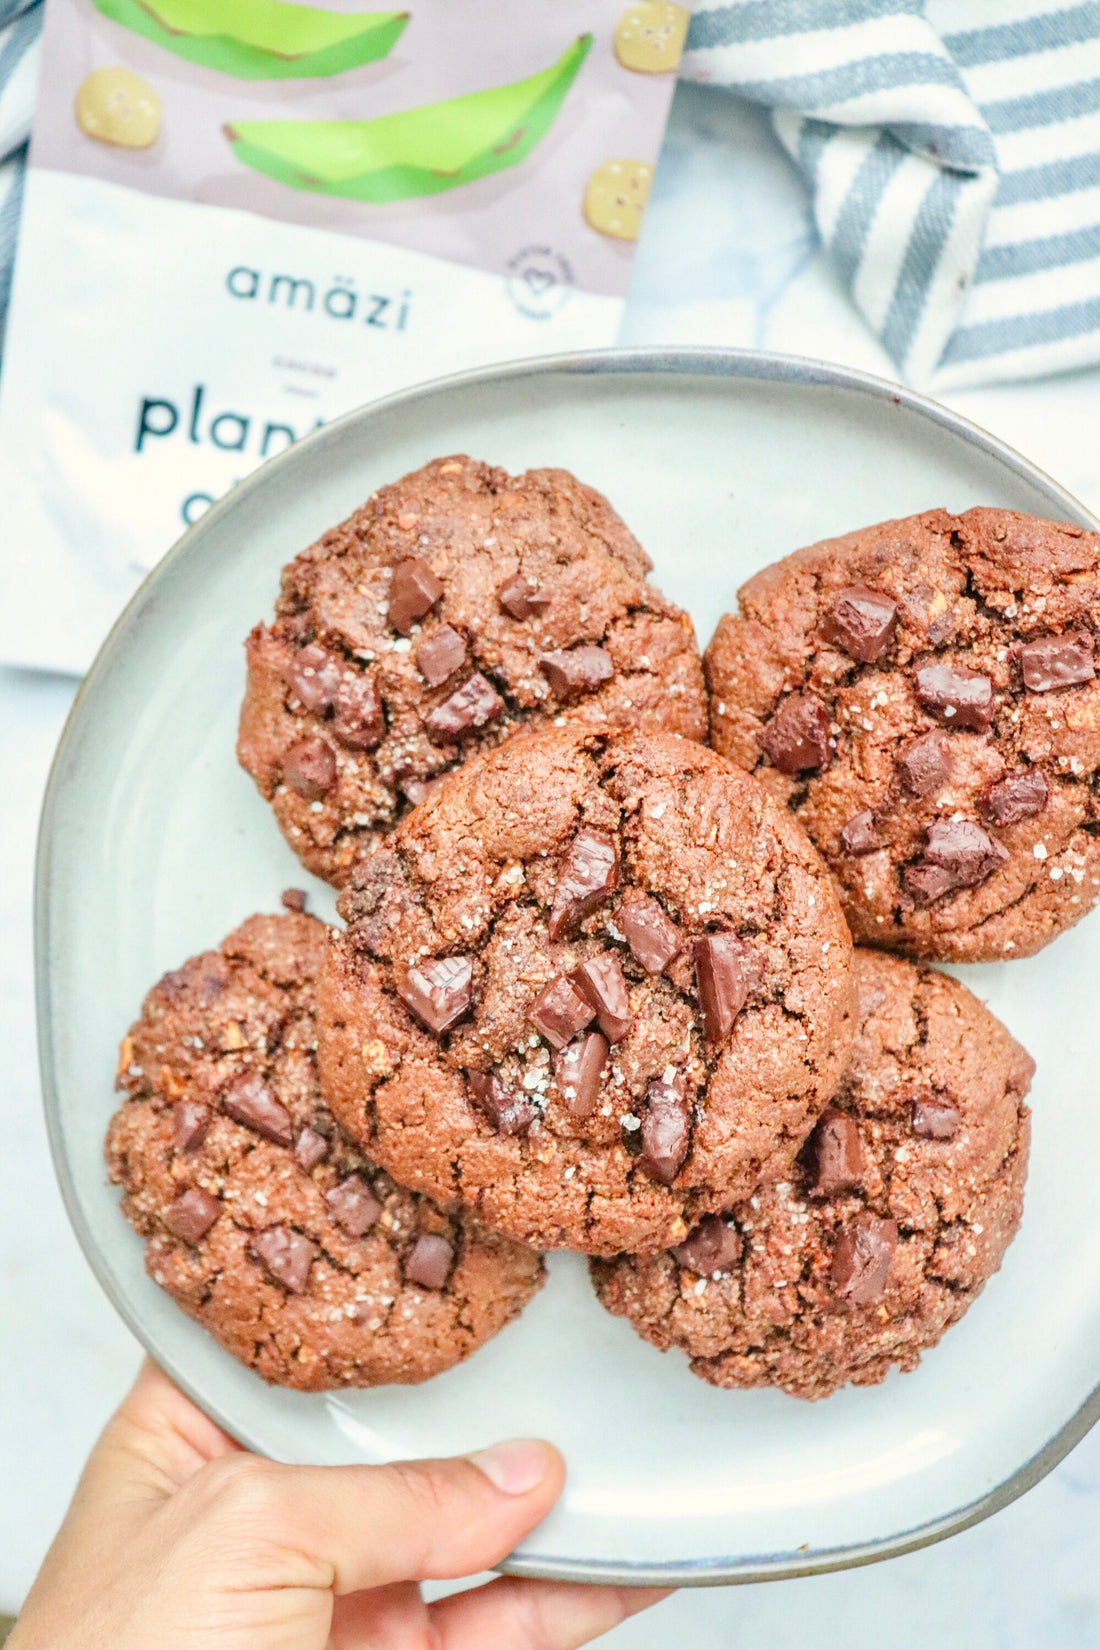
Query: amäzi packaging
point(243, 217)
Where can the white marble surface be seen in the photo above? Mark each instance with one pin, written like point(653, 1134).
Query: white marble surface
point(728, 258)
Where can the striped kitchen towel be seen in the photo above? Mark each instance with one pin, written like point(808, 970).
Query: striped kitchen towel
point(952, 150)
point(20, 27)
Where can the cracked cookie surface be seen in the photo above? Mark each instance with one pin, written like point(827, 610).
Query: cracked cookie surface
point(454, 608)
point(901, 1206)
point(923, 695)
point(590, 985)
point(262, 1220)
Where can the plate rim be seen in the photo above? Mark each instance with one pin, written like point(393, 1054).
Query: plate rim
point(763, 366)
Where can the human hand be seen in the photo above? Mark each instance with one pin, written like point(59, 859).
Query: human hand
point(178, 1539)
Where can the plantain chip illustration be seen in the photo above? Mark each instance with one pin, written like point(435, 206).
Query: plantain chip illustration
point(117, 106)
point(615, 197)
point(261, 39)
point(416, 152)
point(650, 36)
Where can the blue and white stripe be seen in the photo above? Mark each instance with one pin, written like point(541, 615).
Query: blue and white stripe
point(20, 28)
point(954, 165)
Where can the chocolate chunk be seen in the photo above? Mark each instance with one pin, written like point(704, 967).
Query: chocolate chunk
point(353, 1205)
point(437, 991)
point(440, 654)
point(862, 621)
point(665, 1127)
point(510, 1111)
point(600, 982)
point(924, 764)
point(559, 1012)
point(293, 899)
point(248, 1100)
point(577, 1071)
point(653, 938)
point(310, 1148)
point(309, 767)
point(960, 698)
point(414, 591)
point(797, 737)
point(521, 599)
point(958, 854)
point(935, 1119)
point(833, 1155)
point(313, 674)
point(1021, 796)
point(190, 1121)
point(723, 977)
point(714, 1246)
point(191, 1216)
point(964, 849)
point(358, 720)
point(589, 873)
point(474, 705)
point(324, 682)
point(287, 1255)
point(861, 1259)
point(576, 671)
point(925, 884)
point(429, 1261)
point(859, 836)
point(1057, 661)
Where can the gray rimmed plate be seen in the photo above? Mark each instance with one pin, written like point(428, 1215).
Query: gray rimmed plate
point(154, 844)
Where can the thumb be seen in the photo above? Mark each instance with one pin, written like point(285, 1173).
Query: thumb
point(350, 1528)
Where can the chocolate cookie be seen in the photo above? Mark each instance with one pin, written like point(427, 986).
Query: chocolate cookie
point(262, 1220)
point(923, 695)
point(454, 608)
point(590, 985)
point(903, 1202)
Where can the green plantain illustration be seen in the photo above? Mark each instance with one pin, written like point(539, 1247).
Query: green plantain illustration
point(418, 151)
point(261, 39)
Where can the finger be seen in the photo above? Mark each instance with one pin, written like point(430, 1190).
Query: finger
point(513, 1614)
point(350, 1528)
point(156, 1404)
point(156, 1440)
point(383, 1618)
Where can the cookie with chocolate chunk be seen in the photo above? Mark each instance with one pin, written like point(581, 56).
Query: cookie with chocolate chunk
point(456, 607)
point(901, 1206)
point(261, 1219)
point(924, 695)
point(591, 984)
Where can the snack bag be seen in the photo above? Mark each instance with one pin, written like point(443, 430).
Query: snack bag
point(244, 217)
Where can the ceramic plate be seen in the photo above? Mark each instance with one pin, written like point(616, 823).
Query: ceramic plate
point(154, 844)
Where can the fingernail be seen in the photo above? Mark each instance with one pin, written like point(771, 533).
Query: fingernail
point(515, 1467)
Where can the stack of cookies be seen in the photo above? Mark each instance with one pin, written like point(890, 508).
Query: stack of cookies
point(596, 987)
